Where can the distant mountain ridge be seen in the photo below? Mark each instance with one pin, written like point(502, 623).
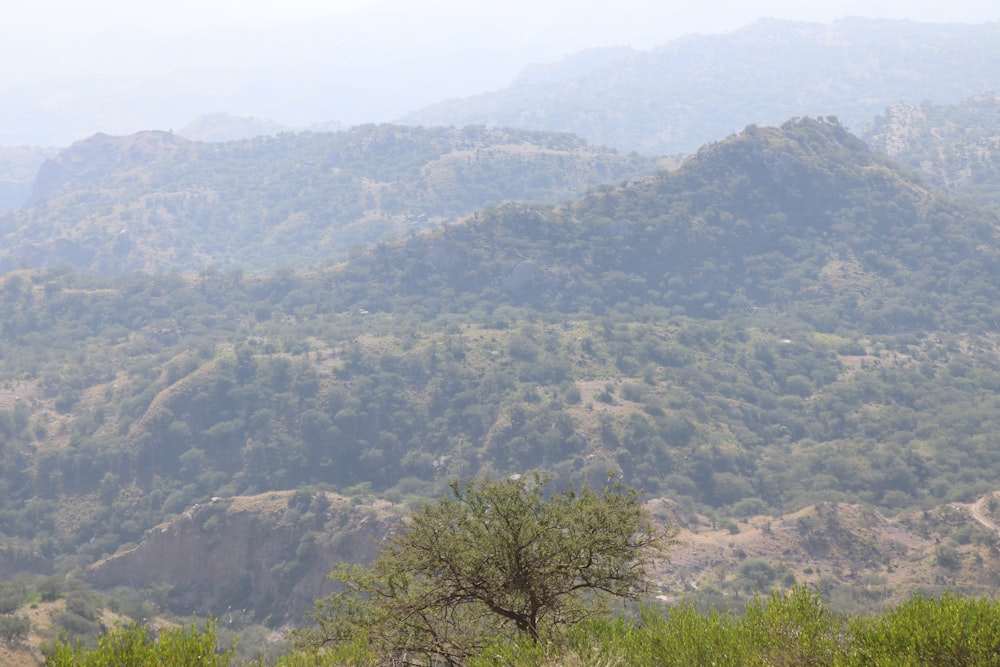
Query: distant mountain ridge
point(155, 201)
point(702, 88)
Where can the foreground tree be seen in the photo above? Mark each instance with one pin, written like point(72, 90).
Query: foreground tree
point(498, 558)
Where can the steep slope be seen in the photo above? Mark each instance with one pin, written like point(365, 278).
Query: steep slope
point(156, 202)
point(702, 88)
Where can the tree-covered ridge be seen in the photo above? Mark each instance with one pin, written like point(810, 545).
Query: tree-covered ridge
point(800, 218)
point(956, 146)
point(697, 89)
point(156, 202)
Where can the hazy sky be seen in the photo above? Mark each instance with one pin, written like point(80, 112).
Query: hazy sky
point(68, 37)
point(76, 60)
point(573, 24)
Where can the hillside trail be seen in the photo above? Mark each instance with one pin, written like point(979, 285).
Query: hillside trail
point(978, 511)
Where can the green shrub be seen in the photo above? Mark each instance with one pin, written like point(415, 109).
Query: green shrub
point(947, 630)
point(135, 646)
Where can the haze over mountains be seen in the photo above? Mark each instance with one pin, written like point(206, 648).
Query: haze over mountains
point(667, 99)
point(683, 94)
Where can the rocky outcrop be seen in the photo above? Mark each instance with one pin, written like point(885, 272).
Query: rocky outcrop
point(267, 554)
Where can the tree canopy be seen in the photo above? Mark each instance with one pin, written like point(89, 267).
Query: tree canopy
point(504, 557)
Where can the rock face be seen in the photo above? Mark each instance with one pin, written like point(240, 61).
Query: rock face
point(268, 554)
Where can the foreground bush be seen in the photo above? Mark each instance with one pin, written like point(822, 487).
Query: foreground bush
point(783, 629)
point(135, 646)
point(787, 629)
point(947, 630)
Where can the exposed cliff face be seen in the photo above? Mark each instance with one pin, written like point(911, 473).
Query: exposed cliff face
point(268, 554)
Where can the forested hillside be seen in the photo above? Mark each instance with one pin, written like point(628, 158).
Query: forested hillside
point(156, 202)
point(701, 88)
point(786, 319)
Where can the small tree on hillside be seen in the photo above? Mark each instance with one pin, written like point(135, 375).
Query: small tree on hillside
point(14, 629)
point(496, 558)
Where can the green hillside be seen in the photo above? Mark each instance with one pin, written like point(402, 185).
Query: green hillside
point(786, 319)
point(156, 202)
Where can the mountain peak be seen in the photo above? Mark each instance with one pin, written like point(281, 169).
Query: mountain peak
point(814, 160)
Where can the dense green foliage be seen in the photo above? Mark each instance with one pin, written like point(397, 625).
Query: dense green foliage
point(156, 202)
point(506, 558)
point(14, 629)
point(701, 88)
point(784, 628)
point(789, 628)
point(793, 628)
